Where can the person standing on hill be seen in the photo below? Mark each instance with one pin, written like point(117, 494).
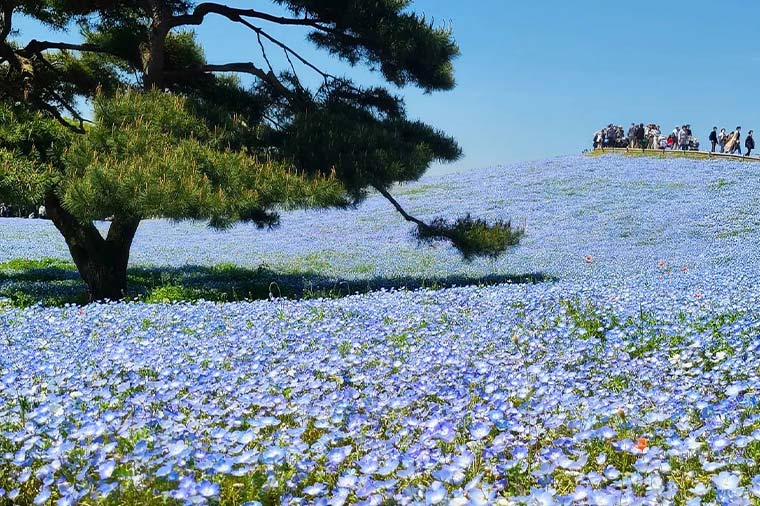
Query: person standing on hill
point(609, 136)
point(677, 137)
point(714, 139)
point(730, 142)
point(737, 148)
point(641, 136)
point(632, 135)
point(722, 136)
point(749, 143)
point(683, 139)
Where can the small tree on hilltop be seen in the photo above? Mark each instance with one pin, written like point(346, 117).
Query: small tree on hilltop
point(175, 136)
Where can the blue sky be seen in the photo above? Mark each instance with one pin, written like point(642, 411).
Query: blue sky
point(536, 79)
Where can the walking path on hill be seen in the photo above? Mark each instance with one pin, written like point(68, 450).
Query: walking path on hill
point(664, 153)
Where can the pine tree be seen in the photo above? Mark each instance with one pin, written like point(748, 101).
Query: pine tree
point(172, 135)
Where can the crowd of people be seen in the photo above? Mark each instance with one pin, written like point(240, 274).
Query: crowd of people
point(731, 142)
point(681, 138)
point(9, 211)
point(648, 136)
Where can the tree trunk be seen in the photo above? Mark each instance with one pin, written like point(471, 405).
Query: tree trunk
point(155, 65)
point(102, 263)
point(104, 272)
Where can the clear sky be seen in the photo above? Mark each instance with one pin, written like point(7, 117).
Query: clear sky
point(537, 78)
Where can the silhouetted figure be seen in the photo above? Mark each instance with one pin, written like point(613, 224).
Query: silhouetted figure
point(641, 136)
point(714, 139)
point(738, 141)
point(749, 143)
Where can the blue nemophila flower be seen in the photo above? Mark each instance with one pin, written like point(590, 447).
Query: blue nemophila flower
point(25, 475)
point(700, 489)
point(272, 456)
point(337, 455)
point(105, 470)
point(42, 497)
point(315, 490)
point(608, 382)
point(208, 489)
point(479, 430)
point(436, 493)
point(347, 481)
point(754, 486)
point(726, 481)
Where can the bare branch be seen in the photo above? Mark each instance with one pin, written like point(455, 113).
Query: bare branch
point(239, 15)
point(243, 68)
point(233, 14)
point(36, 47)
point(53, 111)
point(287, 50)
point(400, 209)
point(264, 53)
point(82, 120)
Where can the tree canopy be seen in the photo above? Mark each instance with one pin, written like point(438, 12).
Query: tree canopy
point(176, 136)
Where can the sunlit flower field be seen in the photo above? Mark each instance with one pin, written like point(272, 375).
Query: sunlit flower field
point(631, 377)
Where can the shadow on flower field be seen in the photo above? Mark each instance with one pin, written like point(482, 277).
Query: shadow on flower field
point(55, 282)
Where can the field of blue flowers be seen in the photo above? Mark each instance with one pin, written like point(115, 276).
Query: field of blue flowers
point(631, 378)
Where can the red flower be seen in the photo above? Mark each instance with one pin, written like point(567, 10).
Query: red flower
point(661, 264)
point(589, 259)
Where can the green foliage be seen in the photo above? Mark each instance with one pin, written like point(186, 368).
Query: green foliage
point(591, 321)
point(24, 264)
point(206, 146)
point(148, 154)
point(31, 147)
point(473, 237)
point(404, 46)
point(363, 149)
point(171, 293)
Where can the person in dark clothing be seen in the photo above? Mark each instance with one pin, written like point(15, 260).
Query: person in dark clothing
point(738, 138)
point(714, 138)
point(641, 136)
point(749, 143)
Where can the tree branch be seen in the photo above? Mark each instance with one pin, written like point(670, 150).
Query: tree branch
point(400, 209)
point(37, 46)
point(7, 10)
point(238, 15)
point(264, 53)
point(121, 229)
point(244, 68)
point(234, 14)
point(71, 228)
point(287, 50)
point(53, 111)
point(6, 51)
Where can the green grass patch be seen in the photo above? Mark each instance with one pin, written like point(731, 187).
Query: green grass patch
point(53, 282)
